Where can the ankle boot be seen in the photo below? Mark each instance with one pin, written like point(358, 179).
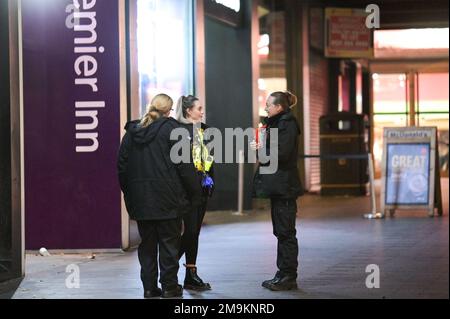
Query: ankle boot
point(193, 282)
point(283, 283)
point(276, 278)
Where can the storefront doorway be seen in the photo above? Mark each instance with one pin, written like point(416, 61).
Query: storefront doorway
point(410, 86)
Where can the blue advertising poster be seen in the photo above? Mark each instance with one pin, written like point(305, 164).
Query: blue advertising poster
point(408, 174)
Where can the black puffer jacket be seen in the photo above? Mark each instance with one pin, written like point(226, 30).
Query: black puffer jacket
point(154, 187)
point(285, 182)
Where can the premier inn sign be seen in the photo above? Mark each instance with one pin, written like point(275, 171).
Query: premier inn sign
point(71, 91)
point(226, 11)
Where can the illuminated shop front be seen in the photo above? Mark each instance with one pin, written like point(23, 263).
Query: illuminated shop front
point(412, 91)
point(165, 48)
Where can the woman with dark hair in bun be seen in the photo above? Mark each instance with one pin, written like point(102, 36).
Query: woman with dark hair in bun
point(282, 187)
point(190, 113)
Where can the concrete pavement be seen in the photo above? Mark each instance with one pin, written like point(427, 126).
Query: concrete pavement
point(238, 252)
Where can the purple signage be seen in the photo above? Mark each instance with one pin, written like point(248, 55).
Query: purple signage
point(71, 124)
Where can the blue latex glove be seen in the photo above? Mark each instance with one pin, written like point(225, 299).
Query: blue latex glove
point(207, 182)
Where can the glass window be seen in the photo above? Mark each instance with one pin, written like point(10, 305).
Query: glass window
point(433, 92)
point(389, 93)
point(165, 48)
point(433, 110)
point(390, 109)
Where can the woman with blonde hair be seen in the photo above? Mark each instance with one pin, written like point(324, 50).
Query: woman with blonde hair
point(157, 193)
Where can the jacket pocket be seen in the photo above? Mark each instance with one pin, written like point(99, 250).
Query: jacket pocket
point(271, 185)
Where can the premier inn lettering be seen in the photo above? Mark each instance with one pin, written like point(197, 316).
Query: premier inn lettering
point(82, 19)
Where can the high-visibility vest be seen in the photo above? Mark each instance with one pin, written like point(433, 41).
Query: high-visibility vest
point(200, 153)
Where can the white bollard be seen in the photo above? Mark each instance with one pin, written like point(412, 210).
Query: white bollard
point(240, 210)
point(373, 201)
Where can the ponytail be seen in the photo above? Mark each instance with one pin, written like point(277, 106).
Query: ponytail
point(152, 115)
point(287, 100)
point(160, 105)
point(184, 104)
point(292, 99)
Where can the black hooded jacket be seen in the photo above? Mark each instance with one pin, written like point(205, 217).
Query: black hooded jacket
point(285, 182)
point(153, 186)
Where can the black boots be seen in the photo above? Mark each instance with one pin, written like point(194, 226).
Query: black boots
point(175, 292)
point(156, 292)
point(193, 282)
point(277, 277)
point(281, 282)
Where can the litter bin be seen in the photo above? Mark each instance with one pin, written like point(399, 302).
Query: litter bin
point(343, 134)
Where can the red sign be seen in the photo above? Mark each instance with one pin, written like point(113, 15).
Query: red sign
point(347, 35)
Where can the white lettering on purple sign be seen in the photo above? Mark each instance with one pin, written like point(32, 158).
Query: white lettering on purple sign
point(84, 24)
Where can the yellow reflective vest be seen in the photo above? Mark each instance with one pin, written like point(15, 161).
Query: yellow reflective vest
point(200, 154)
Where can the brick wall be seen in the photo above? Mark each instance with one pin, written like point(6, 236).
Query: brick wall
point(318, 107)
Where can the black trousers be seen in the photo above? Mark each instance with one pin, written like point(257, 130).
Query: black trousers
point(165, 236)
point(284, 213)
point(192, 226)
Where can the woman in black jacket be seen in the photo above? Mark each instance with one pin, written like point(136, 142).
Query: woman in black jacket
point(190, 114)
point(157, 193)
point(282, 187)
